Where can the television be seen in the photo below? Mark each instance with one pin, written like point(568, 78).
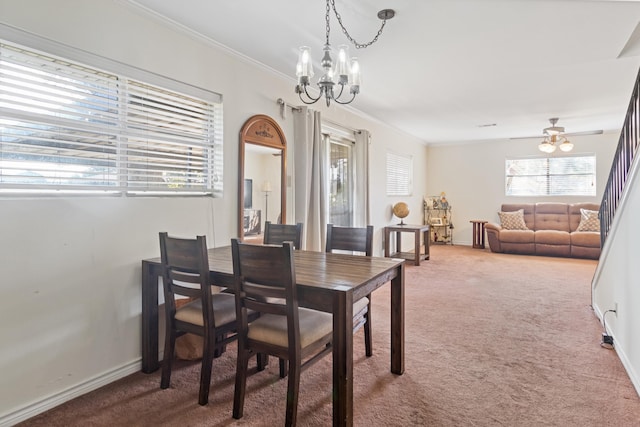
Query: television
point(248, 194)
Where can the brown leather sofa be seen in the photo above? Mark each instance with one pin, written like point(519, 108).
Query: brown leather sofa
point(552, 231)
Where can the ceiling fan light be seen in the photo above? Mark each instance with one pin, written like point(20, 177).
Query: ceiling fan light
point(546, 147)
point(566, 146)
point(555, 130)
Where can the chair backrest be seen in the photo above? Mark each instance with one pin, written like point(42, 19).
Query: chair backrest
point(185, 265)
point(276, 234)
point(357, 239)
point(265, 280)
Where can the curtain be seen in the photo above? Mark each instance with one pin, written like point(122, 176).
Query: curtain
point(310, 178)
point(362, 216)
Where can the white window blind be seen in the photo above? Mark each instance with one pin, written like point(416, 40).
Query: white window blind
point(399, 174)
point(73, 128)
point(551, 176)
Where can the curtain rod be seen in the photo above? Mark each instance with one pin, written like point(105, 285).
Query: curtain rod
point(283, 112)
point(283, 107)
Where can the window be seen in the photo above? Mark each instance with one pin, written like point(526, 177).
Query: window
point(551, 176)
point(71, 128)
point(399, 174)
point(340, 183)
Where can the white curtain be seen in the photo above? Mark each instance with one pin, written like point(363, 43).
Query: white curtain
point(310, 178)
point(362, 216)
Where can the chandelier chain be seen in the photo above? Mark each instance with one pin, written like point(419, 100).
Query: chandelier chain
point(327, 20)
point(346, 33)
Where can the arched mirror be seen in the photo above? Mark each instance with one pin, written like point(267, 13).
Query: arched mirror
point(261, 177)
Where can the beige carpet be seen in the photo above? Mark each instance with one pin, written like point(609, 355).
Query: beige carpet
point(491, 340)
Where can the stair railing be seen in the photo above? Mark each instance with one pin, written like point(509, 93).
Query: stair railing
point(622, 160)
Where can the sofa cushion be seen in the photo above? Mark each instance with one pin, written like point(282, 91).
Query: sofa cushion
point(589, 221)
point(552, 216)
point(512, 220)
point(552, 237)
point(587, 239)
point(528, 208)
point(575, 216)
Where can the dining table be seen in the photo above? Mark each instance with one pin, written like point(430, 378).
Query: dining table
point(326, 281)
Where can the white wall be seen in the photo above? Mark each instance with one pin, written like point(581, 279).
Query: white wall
point(70, 294)
point(615, 284)
point(472, 175)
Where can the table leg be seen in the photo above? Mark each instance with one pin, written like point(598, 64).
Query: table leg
point(417, 247)
point(387, 236)
point(426, 239)
point(398, 242)
point(343, 359)
point(149, 318)
point(397, 322)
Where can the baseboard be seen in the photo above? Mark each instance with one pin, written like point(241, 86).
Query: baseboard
point(35, 408)
point(628, 366)
point(622, 355)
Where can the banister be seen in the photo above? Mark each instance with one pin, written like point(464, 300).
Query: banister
point(622, 160)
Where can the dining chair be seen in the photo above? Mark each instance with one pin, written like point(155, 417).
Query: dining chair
point(265, 281)
point(355, 239)
point(276, 234)
point(185, 266)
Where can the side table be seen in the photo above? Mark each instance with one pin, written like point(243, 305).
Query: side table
point(420, 231)
point(478, 233)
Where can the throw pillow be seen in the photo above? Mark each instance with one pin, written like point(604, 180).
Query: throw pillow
point(513, 220)
point(589, 221)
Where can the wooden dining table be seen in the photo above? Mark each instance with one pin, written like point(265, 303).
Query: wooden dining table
point(327, 282)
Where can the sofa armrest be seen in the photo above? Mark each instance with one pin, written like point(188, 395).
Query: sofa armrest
point(493, 236)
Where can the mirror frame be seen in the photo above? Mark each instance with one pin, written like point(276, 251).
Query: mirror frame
point(262, 130)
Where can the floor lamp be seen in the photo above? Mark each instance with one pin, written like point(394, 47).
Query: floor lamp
point(266, 187)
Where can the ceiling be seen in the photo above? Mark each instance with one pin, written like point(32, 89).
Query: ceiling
point(449, 70)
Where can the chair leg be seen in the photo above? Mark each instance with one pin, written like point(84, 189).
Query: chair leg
point(293, 390)
point(205, 370)
point(220, 349)
point(283, 368)
point(367, 330)
point(167, 361)
point(262, 361)
point(241, 382)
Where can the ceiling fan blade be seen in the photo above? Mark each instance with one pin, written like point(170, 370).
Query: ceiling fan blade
point(568, 134)
point(529, 137)
point(586, 132)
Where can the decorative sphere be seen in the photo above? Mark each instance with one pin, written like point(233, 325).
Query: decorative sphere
point(401, 210)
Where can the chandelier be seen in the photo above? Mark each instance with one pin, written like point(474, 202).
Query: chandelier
point(346, 72)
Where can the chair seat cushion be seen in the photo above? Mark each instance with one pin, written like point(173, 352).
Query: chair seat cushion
point(271, 328)
point(224, 310)
point(360, 305)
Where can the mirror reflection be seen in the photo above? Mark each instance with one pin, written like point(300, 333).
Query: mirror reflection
point(262, 198)
point(261, 177)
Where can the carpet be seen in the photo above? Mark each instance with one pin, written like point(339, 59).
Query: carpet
point(491, 340)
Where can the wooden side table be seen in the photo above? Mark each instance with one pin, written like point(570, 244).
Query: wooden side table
point(478, 233)
point(420, 231)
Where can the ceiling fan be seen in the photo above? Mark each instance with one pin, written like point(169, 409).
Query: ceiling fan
point(555, 136)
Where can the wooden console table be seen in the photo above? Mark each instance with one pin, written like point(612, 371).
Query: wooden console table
point(418, 230)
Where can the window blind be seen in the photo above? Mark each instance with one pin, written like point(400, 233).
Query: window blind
point(399, 174)
point(69, 127)
point(551, 176)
